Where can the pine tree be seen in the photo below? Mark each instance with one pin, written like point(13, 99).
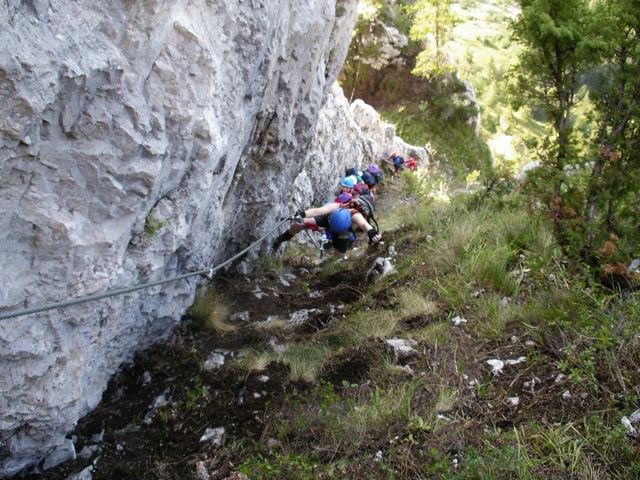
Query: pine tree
point(615, 174)
point(432, 26)
point(558, 49)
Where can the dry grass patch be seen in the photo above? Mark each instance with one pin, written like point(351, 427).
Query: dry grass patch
point(256, 361)
point(367, 326)
point(305, 360)
point(210, 312)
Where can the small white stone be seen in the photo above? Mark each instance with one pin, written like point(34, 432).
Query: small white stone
point(402, 348)
point(240, 316)
point(214, 361)
point(457, 321)
point(213, 436)
point(635, 417)
point(496, 365)
point(630, 428)
point(515, 361)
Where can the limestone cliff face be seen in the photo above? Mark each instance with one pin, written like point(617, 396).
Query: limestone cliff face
point(139, 140)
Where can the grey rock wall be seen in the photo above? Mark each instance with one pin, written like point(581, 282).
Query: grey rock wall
point(140, 140)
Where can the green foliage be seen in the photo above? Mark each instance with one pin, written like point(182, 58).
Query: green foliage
point(280, 466)
point(567, 45)
point(152, 225)
point(432, 25)
point(195, 396)
point(614, 172)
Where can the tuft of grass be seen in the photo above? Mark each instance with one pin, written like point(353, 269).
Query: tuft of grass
point(305, 360)
point(210, 312)
point(446, 400)
point(278, 465)
point(364, 326)
point(279, 323)
point(434, 335)
point(489, 266)
point(363, 414)
point(561, 447)
point(333, 266)
point(495, 313)
point(412, 304)
point(380, 408)
point(256, 361)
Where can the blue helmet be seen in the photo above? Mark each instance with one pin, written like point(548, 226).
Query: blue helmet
point(340, 221)
point(348, 182)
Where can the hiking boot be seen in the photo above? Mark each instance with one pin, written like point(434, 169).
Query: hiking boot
point(283, 237)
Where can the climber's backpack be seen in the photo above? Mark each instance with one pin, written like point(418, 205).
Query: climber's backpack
point(375, 171)
point(365, 205)
point(360, 189)
point(369, 179)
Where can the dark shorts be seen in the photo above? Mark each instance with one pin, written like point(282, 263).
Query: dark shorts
point(341, 242)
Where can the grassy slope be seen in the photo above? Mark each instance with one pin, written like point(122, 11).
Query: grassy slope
point(442, 413)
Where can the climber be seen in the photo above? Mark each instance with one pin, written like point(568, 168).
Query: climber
point(371, 176)
point(347, 184)
point(395, 161)
point(410, 163)
point(375, 171)
point(369, 180)
point(339, 219)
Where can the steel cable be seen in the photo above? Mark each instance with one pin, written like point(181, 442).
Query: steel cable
point(207, 272)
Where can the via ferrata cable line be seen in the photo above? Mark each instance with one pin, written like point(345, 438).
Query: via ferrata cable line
point(207, 272)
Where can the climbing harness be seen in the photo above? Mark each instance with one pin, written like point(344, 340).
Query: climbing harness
point(207, 273)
